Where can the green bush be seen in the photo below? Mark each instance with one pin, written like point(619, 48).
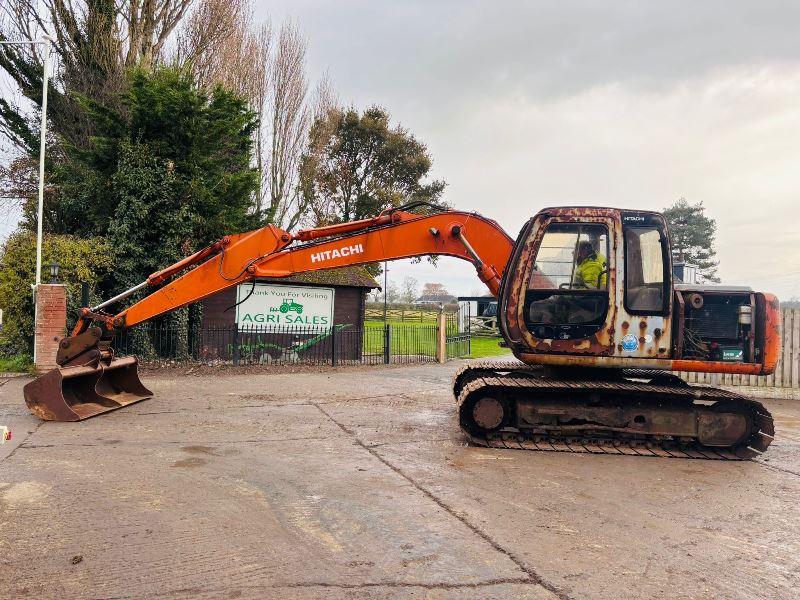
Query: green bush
point(81, 260)
point(19, 363)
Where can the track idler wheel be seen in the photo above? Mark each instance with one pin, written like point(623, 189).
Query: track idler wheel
point(485, 414)
point(488, 413)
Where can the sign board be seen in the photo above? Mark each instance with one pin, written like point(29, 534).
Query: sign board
point(283, 305)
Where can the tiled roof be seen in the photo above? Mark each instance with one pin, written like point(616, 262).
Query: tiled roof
point(343, 276)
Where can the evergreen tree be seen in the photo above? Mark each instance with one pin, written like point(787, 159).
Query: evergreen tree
point(692, 235)
point(166, 175)
point(357, 165)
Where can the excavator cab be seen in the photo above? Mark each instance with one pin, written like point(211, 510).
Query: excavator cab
point(589, 307)
point(591, 283)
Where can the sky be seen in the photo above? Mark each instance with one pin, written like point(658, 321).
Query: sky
point(527, 104)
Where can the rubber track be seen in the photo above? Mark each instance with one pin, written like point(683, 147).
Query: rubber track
point(513, 376)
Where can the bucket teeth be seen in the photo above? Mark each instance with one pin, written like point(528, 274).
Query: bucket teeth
point(79, 392)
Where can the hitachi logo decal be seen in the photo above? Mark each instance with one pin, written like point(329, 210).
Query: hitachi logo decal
point(337, 253)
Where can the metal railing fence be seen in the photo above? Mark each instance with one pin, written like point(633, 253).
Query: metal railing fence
point(269, 344)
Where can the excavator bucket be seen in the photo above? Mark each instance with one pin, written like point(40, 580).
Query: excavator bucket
point(74, 393)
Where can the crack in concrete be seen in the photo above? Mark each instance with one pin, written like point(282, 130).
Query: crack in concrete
point(226, 408)
point(366, 585)
point(168, 443)
point(409, 584)
point(774, 468)
point(533, 576)
point(343, 586)
point(398, 443)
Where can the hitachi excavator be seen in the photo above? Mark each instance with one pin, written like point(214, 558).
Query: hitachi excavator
point(587, 305)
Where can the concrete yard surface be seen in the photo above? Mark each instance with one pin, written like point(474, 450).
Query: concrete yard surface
point(357, 483)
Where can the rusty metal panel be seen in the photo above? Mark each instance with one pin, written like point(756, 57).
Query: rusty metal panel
point(768, 330)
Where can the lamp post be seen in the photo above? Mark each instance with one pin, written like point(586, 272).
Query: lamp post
point(45, 41)
point(385, 289)
point(54, 269)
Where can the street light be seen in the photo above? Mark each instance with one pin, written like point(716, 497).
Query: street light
point(45, 41)
point(54, 269)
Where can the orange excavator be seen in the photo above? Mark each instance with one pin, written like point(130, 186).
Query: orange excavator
point(587, 304)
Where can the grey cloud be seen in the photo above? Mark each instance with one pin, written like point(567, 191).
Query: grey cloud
point(536, 49)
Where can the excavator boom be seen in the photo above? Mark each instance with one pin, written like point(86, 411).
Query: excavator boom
point(271, 253)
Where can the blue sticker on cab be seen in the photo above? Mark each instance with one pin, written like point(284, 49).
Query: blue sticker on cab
point(630, 343)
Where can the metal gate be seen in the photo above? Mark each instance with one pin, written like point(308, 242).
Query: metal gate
point(458, 332)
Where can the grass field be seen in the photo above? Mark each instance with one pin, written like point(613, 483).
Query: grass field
point(482, 347)
point(420, 338)
point(406, 338)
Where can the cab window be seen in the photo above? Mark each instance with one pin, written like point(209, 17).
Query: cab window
point(572, 256)
point(644, 270)
point(568, 284)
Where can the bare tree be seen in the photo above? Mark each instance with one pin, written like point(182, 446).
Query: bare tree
point(95, 41)
point(221, 47)
point(146, 26)
point(121, 32)
point(289, 112)
point(434, 289)
point(294, 206)
point(270, 72)
point(410, 290)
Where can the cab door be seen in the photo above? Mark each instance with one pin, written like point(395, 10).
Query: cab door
point(644, 291)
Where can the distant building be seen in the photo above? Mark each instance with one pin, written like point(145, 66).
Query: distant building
point(479, 306)
point(684, 272)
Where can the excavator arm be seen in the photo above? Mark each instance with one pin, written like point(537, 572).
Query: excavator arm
point(91, 381)
point(273, 253)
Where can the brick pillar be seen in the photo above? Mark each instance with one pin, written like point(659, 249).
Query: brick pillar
point(51, 324)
